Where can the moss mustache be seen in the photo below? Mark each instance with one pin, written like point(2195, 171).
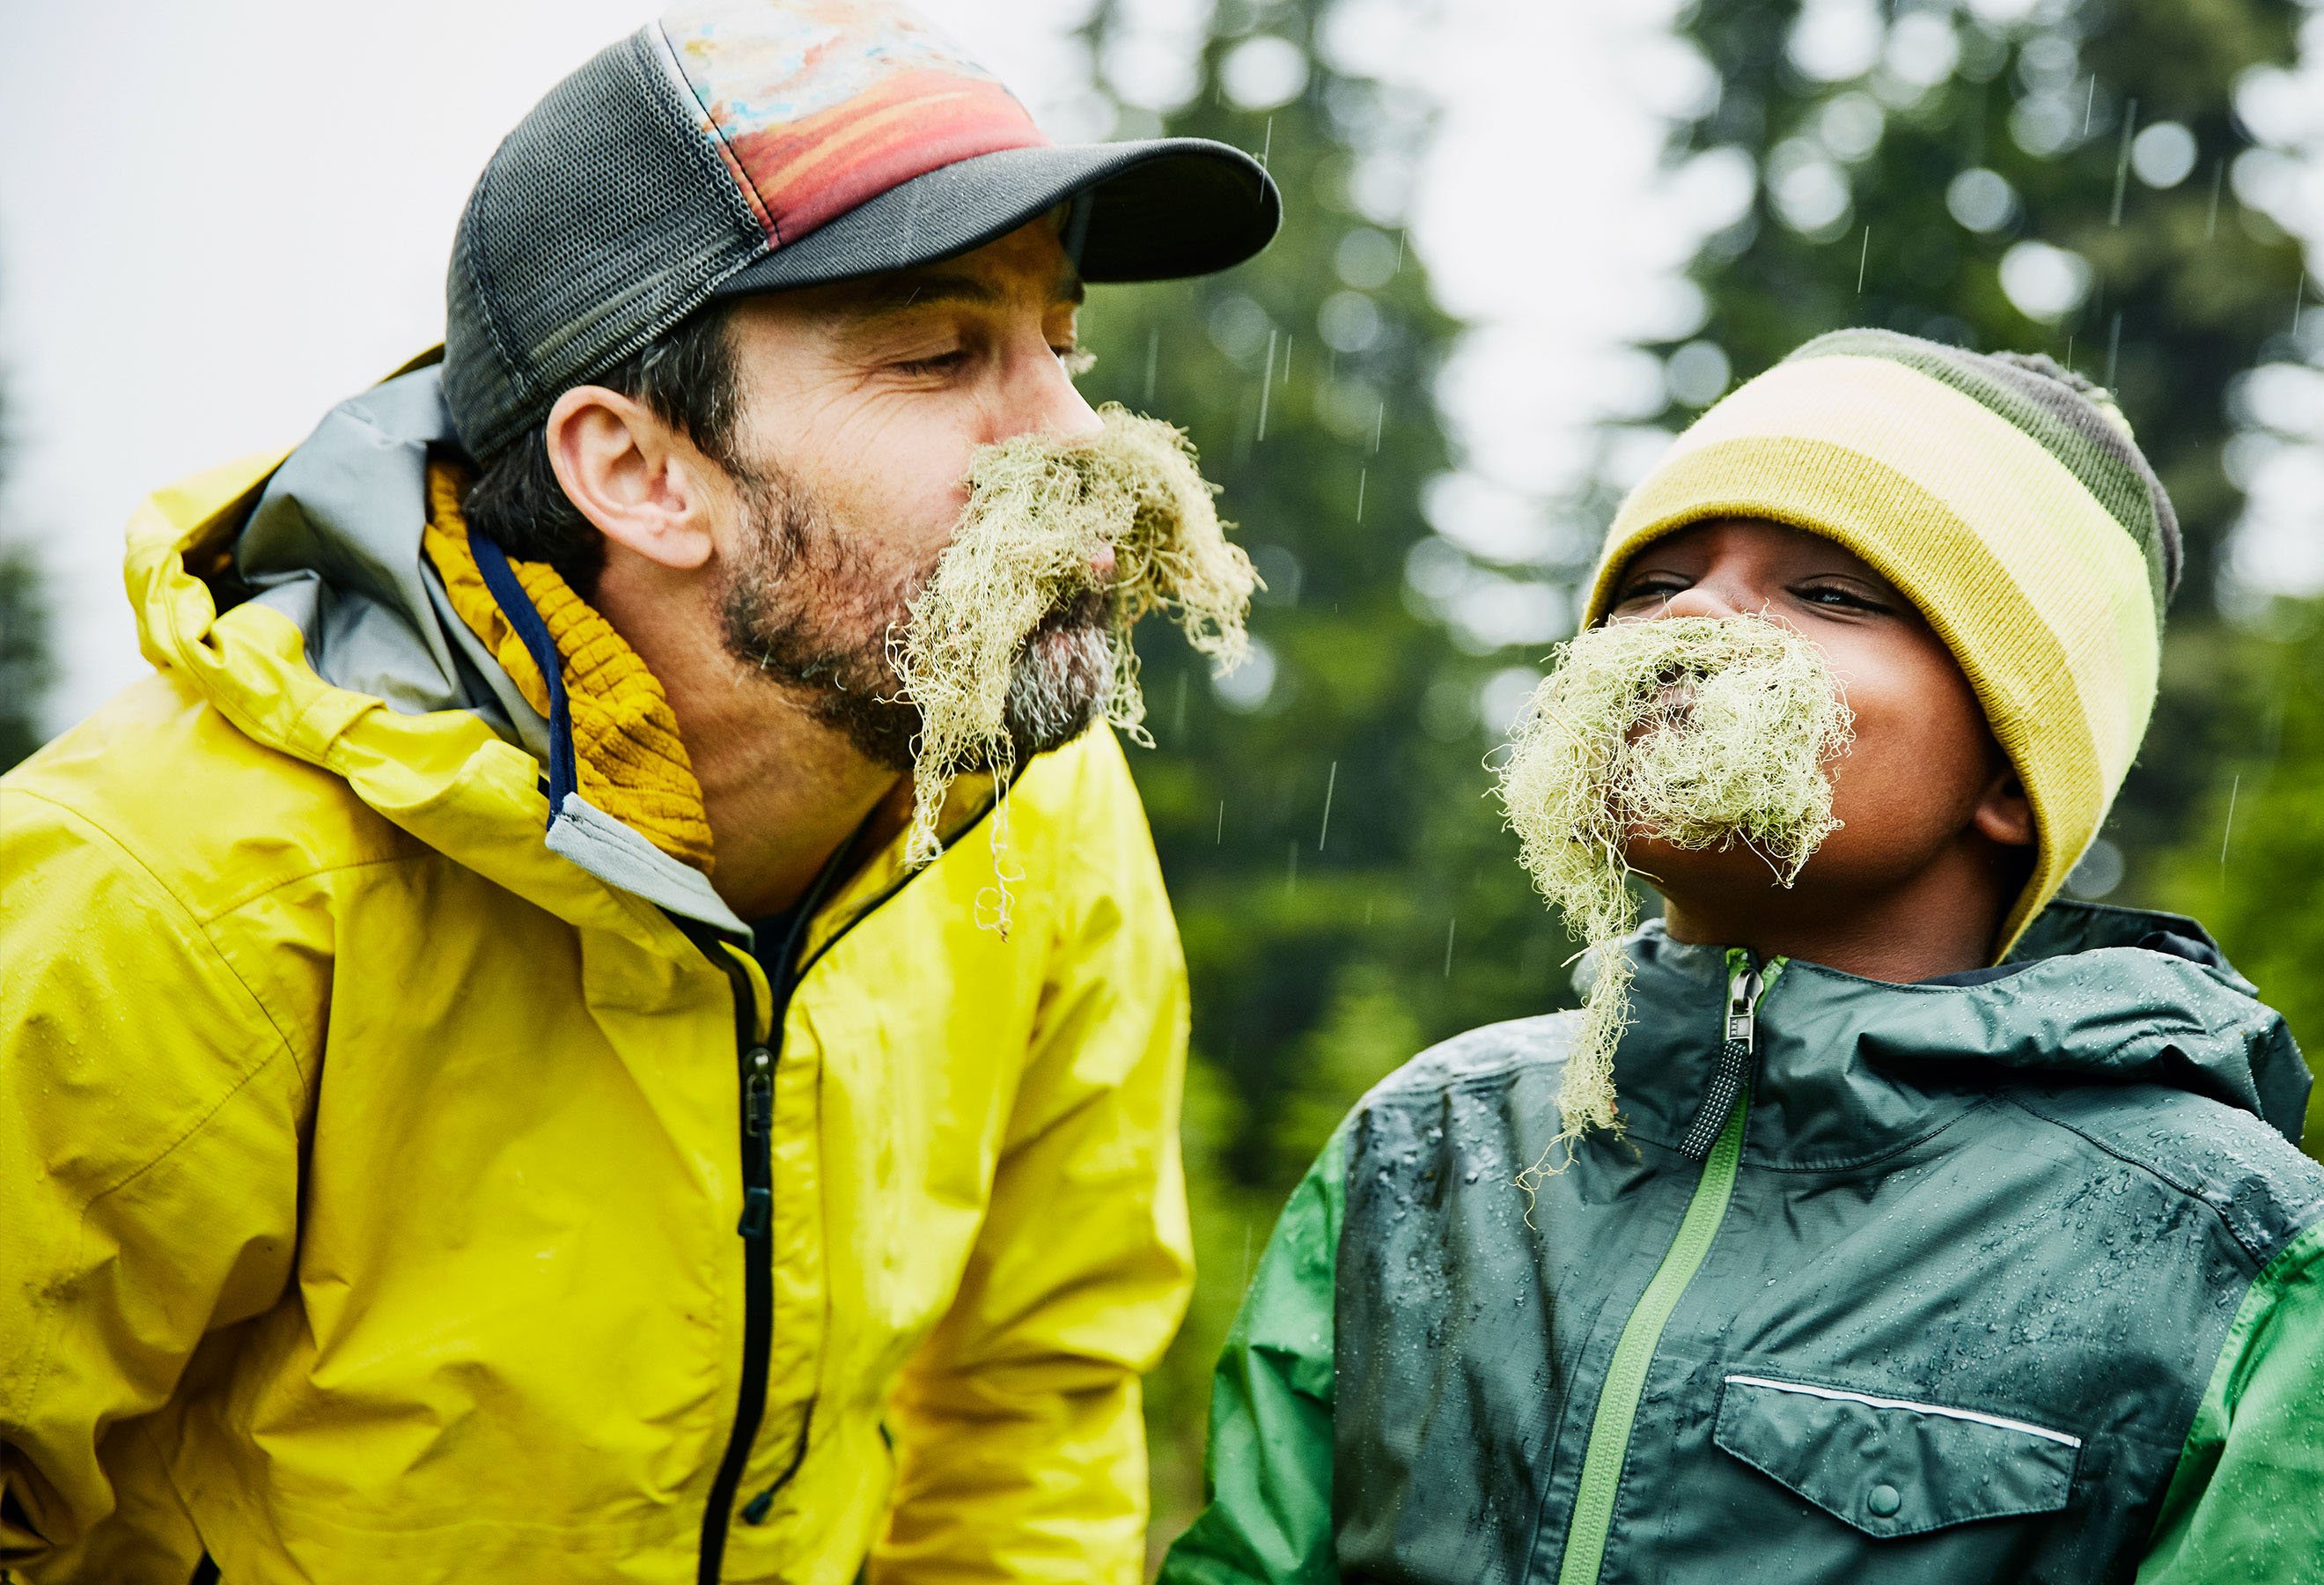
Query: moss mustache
point(1701, 732)
point(1020, 639)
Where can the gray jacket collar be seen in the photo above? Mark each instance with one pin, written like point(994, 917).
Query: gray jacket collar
point(334, 544)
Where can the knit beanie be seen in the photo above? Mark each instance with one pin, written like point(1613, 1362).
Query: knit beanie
point(2003, 496)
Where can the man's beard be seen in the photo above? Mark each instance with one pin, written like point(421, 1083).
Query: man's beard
point(802, 609)
point(1011, 643)
point(1701, 733)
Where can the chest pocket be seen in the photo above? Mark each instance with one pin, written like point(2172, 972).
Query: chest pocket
point(1890, 1467)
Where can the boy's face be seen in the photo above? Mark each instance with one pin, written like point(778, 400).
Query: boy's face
point(1924, 787)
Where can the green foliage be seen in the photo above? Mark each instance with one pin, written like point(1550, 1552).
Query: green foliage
point(2188, 288)
point(2250, 862)
point(26, 666)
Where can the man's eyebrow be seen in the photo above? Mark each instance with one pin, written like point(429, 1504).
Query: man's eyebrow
point(892, 294)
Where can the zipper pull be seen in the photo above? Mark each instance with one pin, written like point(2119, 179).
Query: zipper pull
point(757, 1212)
point(1743, 1004)
point(758, 1092)
point(1731, 1068)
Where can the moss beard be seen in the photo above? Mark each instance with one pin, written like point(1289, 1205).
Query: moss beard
point(1010, 645)
point(1699, 732)
point(802, 609)
point(1040, 512)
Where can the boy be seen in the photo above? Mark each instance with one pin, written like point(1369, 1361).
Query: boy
point(1944, 1232)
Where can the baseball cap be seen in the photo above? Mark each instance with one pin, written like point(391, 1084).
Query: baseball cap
point(739, 146)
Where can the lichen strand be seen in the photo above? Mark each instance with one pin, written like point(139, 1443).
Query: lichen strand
point(1039, 512)
point(1701, 732)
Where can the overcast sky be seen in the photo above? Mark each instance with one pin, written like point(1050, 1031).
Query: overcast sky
point(217, 220)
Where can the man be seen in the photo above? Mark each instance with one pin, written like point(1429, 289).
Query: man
point(485, 1093)
point(1920, 1228)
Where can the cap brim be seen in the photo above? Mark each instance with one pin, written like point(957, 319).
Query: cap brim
point(1160, 210)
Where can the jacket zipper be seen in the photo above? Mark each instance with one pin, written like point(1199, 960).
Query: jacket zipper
point(756, 1227)
point(1625, 1378)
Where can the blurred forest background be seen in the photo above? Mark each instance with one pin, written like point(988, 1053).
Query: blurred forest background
point(2095, 180)
point(2103, 180)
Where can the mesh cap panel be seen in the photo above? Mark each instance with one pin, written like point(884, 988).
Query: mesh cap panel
point(602, 220)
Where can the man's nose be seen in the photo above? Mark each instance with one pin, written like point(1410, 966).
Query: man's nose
point(1041, 398)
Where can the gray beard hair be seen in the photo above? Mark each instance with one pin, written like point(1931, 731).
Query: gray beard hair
point(801, 608)
point(1058, 686)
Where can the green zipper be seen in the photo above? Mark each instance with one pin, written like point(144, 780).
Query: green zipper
point(1625, 1378)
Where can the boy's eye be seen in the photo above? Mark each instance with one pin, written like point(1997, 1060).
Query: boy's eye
point(1841, 597)
point(1651, 587)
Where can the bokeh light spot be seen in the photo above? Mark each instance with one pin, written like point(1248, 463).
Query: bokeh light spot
point(1264, 71)
point(2045, 283)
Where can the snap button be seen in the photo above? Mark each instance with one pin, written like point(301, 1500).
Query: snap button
point(1883, 1500)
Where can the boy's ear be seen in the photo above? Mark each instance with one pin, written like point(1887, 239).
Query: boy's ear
point(2004, 814)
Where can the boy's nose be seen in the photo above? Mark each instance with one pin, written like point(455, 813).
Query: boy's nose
point(1700, 599)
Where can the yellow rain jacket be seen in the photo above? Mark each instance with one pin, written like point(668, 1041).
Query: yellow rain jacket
point(408, 1172)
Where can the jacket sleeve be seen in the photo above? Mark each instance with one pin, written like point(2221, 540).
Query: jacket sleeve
point(148, 1174)
point(2242, 1503)
point(1021, 1440)
point(1267, 1475)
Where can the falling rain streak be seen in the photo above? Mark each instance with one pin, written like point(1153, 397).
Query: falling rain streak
point(1360, 472)
point(1153, 360)
point(1331, 783)
point(2218, 180)
point(2121, 159)
point(1863, 258)
point(2228, 831)
point(1450, 926)
point(1267, 383)
point(2114, 347)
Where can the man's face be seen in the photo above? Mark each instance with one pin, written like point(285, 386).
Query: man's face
point(863, 405)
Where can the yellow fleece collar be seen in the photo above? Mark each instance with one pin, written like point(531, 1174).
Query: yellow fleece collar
point(628, 756)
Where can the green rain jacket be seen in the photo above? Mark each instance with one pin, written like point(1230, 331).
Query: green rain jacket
point(2015, 1276)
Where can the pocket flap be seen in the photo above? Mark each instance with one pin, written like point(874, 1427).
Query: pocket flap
point(1889, 1466)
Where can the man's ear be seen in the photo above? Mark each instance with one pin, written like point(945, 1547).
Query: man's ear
point(632, 476)
point(2005, 814)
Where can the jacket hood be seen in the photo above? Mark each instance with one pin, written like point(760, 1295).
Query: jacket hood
point(294, 592)
point(2092, 994)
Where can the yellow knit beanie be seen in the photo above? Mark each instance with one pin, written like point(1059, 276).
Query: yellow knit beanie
point(2003, 496)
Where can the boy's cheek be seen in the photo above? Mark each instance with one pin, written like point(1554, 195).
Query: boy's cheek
point(1901, 792)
